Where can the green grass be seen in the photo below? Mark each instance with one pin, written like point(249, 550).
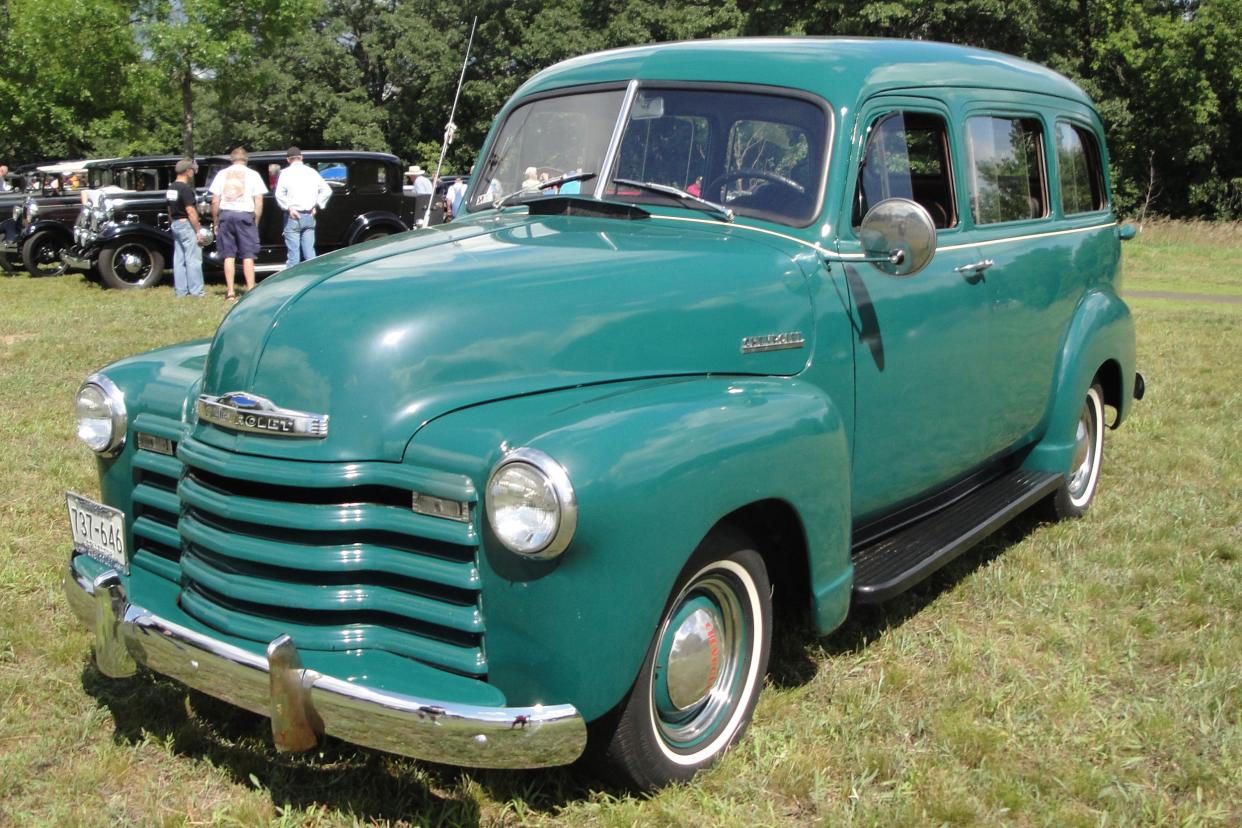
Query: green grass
point(1185, 257)
point(1084, 673)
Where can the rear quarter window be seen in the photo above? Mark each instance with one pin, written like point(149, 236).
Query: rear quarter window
point(1079, 170)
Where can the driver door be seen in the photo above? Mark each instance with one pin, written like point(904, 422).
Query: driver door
point(921, 353)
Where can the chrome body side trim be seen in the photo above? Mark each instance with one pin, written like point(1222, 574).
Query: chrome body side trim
point(304, 704)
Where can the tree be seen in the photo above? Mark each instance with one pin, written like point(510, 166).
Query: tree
point(196, 40)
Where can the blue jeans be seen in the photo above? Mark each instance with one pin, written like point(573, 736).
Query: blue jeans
point(187, 260)
point(300, 238)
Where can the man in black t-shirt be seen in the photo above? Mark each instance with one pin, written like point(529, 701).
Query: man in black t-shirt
point(186, 230)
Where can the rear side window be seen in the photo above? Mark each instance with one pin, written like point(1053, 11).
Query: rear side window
point(1078, 164)
point(367, 177)
point(907, 156)
point(1007, 171)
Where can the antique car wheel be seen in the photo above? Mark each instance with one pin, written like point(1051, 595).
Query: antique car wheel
point(373, 235)
point(131, 265)
point(702, 675)
point(41, 254)
point(1076, 493)
point(7, 265)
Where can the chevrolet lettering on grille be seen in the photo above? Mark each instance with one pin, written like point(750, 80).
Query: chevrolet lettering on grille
point(240, 411)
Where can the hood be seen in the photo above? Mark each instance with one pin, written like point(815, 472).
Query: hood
point(386, 336)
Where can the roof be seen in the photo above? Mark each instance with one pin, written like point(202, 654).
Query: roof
point(135, 161)
point(311, 155)
point(840, 70)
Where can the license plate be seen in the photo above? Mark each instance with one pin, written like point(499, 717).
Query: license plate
point(98, 530)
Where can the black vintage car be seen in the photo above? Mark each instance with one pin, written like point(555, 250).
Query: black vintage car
point(39, 226)
point(122, 230)
point(128, 237)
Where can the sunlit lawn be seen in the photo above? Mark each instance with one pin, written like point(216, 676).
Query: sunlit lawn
point(1077, 674)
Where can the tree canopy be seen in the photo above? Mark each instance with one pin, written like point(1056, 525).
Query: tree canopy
point(114, 77)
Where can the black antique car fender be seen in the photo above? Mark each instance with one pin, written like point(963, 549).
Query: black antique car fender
point(131, 254)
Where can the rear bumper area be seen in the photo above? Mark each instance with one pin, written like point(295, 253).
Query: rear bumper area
point(304, 704)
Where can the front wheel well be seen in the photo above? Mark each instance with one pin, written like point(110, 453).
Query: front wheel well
point(779, 537)
point(1109, 378)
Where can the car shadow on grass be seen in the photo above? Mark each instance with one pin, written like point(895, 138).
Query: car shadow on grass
point(797, 652)
point(366, 784)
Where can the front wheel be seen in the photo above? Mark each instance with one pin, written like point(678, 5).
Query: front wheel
point(702, 675)
point(1076, 493)
point(131, 265)
point(41, 254)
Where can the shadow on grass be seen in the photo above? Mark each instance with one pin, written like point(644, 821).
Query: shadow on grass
point(368, 785)
point(795, 652)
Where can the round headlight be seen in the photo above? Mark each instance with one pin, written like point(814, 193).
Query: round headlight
point(100, 409)
point(531, 504)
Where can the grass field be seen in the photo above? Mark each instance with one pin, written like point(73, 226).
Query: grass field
point(1085, 673)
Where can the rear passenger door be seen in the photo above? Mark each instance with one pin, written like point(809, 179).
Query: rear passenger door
point(1039, 259)
point(921, 358)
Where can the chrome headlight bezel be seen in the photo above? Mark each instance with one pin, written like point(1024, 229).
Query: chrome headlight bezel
point(118, 418)
point(557, 479)
point(32, 210)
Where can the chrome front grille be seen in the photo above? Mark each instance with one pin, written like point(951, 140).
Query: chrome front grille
point(331, 554)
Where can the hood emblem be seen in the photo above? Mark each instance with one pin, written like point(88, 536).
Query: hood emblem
point(773, 342)
point(240, 411)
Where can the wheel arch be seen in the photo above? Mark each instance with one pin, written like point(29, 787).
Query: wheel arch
point(377, 220)
point(1098, 345)
point(776, 528)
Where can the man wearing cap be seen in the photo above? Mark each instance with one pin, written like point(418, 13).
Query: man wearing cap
point(301, 192)
point(186, 230)
point(236, 207)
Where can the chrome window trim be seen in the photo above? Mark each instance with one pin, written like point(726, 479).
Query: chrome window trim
point(614, 143)
point(565, 496)
point(120, 415)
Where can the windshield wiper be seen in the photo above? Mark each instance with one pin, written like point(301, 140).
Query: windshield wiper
point(543, 185)
point(718, 210)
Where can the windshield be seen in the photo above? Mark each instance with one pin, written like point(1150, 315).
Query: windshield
point(758, 154)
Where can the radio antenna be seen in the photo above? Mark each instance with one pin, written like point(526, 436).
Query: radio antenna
point(450, 129)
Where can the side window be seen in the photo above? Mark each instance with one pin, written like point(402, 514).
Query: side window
point(368, 177)
point(1007, 170)
point(335, 173)
point(1078, 165)
point(907, 156)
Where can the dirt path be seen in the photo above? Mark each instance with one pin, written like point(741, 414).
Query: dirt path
point(1211, 298)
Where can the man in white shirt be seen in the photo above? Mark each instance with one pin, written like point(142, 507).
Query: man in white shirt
point(236, 207)
point(301, 192)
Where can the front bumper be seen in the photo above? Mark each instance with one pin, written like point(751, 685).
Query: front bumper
point(75, 258)
point(304, 704)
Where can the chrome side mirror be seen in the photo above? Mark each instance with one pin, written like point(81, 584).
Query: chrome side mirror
point(898, 236)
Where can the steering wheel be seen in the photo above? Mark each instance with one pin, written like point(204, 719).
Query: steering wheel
point(775, 178)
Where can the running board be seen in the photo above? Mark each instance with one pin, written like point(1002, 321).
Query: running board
point(897, 562)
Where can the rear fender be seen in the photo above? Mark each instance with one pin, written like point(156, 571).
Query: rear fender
point(1100, 331)
point(655, 465)
point(373, 222)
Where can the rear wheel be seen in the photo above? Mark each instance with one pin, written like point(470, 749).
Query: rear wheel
point(702, 675)
point(131, 264)
point(373, 235)
point(1076, 493)
point(41, 254)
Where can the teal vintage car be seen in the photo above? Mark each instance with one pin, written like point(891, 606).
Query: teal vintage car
point(725, 327)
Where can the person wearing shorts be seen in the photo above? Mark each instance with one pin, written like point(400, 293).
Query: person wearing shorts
point(236, 207)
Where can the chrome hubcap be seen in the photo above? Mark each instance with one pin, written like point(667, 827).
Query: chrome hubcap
point(132, 263)
point(700, 661)
point(694, 659)
point(1084, 451)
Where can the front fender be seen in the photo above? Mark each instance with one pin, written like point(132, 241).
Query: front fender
point(47, 225)
point(1101, 330)
point(116, 233)
point(655, 465)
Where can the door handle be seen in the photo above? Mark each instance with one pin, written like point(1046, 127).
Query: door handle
point(975, 267)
